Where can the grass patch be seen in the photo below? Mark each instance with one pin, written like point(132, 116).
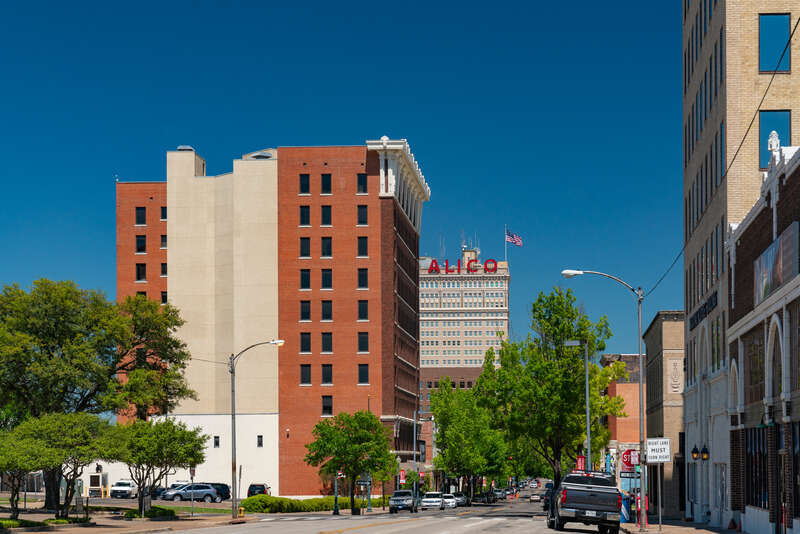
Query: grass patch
point(68, 521)
point(155, 511)
point(14, 523)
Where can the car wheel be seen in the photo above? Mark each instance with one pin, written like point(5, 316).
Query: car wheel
point(207, 498)
point(177, 498)
point(612, 530)
point(218, 499)
point(559, 525)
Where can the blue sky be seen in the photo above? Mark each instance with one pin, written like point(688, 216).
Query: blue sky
point(561, 120)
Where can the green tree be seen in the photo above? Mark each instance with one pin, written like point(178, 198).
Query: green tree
point(153, 359)
point(20, 456)
point(384, 474)
point(69, 442)
point(468, 444)
point(67, 350)
point(536, 395)
point(355, 443)
point(151, 449)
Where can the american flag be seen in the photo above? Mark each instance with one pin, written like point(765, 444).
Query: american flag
point(513, 238)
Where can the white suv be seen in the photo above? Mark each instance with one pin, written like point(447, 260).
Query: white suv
point(432, 499)
point(124, 489)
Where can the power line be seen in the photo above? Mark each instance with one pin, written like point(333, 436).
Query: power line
point(739, 148)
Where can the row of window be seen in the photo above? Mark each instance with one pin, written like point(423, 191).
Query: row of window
point(141, 271)
point(457, 333)
point(163, 295)
point(326, 310)
point(441, 323)
point(325, 184)
point(326, 215)
point(141, 243)
point(704, 100)
point(327, 374)
point(461, 314)
point(435, 384)
point(718, 359)
point(326, 278)
point(710, 175)
point(469, 294)
point(465, 283)
point(694, 44)
point(469, 361)
point(466, 304)
point(706, 268)
point(326, 247)
point(326, 342)
point(141, 215)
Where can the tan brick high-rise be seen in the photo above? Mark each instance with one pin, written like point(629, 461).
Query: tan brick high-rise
point(730, 50)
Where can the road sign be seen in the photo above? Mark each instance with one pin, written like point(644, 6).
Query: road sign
point(191, 472)
point(658, 451)
point(581, 463)
point(402, 476)
point(627, 460)
point(422, 475)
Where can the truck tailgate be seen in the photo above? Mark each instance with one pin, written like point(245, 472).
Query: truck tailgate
point(588, 497)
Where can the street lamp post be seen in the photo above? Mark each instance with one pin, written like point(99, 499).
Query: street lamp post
point(232, 370)
point(574, 343)
point(569, 273)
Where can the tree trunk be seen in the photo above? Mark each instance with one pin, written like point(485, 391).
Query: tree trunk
point(353, 504)
point(383, 495)
point(52, 489)
point(67, 499)
point(140, 499)
point(14, 498)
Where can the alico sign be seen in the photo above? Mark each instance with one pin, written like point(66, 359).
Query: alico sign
point(471, 267)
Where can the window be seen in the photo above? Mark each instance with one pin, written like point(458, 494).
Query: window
point(305, 310)
point(163, 241)
point(163, 213)
point(305, 247)
point(141, 272)
point(259, 441)
point(362, 183)
point(363, 342)
point(142, 293)
point(141, 216)
point(216, 442)
point(327, 310)
point(325, 186)
point(327, 279)
point(305, 373)
point(327, 342)
point(326, 216)
point(305, 215)
point(362, 246)
point(327, 247)
point(305, 342)
point(327, 405)
point(163, 269)
point(362, 214)
point(363, 310)
point(769, 121)
point(327, 373)
point(773, 34)
point(363, 373)
point(363, 278)
point(305, 184)
point(141, 244)
point(305, 279)
point(163, 297)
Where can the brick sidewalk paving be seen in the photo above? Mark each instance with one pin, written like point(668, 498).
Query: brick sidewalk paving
point(671, 526)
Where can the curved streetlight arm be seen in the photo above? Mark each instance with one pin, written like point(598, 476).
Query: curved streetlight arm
point(623, 282)
point(233, 358)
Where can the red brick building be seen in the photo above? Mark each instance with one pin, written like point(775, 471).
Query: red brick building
point(316, 246)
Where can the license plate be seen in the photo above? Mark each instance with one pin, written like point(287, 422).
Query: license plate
point(591, 513)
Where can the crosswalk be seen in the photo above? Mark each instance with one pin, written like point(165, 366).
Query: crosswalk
point(460, 517)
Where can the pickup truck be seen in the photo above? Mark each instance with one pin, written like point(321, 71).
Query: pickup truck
point(588, 498)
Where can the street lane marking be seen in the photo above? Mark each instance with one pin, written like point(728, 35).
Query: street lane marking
point(369, 525)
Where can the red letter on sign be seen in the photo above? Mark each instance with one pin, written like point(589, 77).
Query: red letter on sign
point(470, 269)
point(490, 266)
point(459, 266)
point(434, 267)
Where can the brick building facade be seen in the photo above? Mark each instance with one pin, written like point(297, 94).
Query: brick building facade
point(764, 382)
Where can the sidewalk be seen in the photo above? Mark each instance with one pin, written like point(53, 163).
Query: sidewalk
point(673, 526)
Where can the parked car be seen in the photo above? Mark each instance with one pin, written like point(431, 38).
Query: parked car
point(258, 489)
point(223, 490)
point(535, 497)
point(486, 497)
point(155, 493)
point(588, 498)
point(198, 492)
point(499, 494)
point(432, 499)
point(178, 484)
point(403, 500)
point(124, 489)
point(548, 494)
point(462, 499)
point(449, 500)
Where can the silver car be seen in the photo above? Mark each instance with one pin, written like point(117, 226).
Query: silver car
point(198, 492)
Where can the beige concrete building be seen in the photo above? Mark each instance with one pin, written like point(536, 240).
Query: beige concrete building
point(664, 366)
point(731, 49)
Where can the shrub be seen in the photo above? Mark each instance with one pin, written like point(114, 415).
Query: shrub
point(67, 521)
point(155, 511)
point(267, 504)
point(14, 523)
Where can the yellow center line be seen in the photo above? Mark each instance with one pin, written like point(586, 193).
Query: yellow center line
point(369, 525)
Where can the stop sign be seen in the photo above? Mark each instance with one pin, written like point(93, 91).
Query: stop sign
point(627, 460)
point(422, 475)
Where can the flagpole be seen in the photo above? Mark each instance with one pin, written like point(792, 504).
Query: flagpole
point(505, 242)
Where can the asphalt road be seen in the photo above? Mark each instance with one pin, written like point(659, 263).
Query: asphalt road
point(522, 516)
